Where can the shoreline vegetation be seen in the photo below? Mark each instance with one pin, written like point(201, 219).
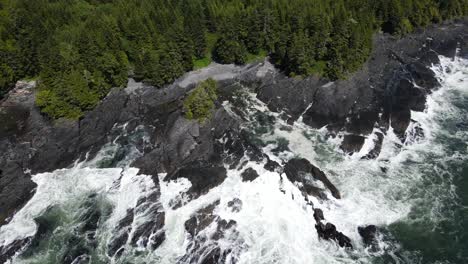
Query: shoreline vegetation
point(79, 50)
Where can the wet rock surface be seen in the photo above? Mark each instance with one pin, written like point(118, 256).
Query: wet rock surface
point(352, 143)
point(368, 234)
point(202, 177)
point(142, 226)
point(206, 230)
point(395, 80)
point(328, 231)
point(249, 174)
point(375, 151)
point(303, 172)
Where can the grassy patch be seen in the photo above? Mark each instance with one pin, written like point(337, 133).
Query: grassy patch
point(211, 39)
point(201, 63)
point(318, 68)
point(256, 57)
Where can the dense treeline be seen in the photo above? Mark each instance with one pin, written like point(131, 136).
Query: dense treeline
point(79, 49)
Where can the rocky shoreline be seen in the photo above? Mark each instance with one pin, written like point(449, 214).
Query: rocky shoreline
point(393, 83)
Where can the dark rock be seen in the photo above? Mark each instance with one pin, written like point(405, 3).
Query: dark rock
point(446, 46)
point(235, 205)
point(146, 165)
point(272, 166)
point(151, 232)
point(335, 102)
point(400, 121)
point(16, 188)
point(329, 232)
point(375, 151)
point(201, 220)
point(463, 52)
point(423, 76)
point(213, 257)
point(409, 96)
point(249, 174)
point(288, 94)
point(13, 119)
point(430, 58)
point(239, 145)
point(363, 122)
point(6, 252)
point(352, 143)
point(203, 247)
point(318, 215)
point(121, 234)
point(203, 177)
point(147, 231)
point(415, 133)
point(368, 234)
point(298, 170)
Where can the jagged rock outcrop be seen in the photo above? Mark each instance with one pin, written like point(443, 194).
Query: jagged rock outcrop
point(328, 231)
point(304, 173)
point(369, 235)
point(205, 230)
point(394, 81)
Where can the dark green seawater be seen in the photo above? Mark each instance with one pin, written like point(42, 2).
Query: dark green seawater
point(436, 229)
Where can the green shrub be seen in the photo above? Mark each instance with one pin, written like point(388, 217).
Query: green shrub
point(199, 103)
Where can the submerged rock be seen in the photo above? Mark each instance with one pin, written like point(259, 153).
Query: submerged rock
point(235, 205)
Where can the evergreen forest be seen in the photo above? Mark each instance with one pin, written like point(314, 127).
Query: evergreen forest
point(78, 50)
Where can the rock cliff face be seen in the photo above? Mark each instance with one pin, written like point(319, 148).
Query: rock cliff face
point(394, 82)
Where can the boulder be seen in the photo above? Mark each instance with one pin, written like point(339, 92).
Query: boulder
point(302, 171)
point(352, 143)
point(368, 234)
point(328, 232)
point(272, 166)
point(249, 174)
point(203, 177)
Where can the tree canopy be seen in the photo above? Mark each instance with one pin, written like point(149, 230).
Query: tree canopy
point(79, 49)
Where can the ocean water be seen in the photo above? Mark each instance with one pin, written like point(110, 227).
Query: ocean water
point(416, 193)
